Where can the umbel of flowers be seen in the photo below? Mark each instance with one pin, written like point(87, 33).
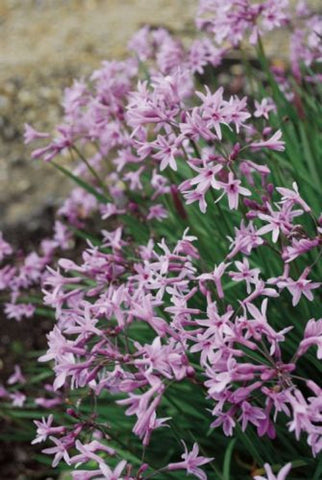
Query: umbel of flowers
point(192, 312)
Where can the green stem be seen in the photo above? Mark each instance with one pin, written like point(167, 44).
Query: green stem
point(91, 170)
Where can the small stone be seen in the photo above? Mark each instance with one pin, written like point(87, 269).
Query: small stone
point(4, 103)
point(25, 98)
point(9, 88)
point(23, 185)
point(9, 132)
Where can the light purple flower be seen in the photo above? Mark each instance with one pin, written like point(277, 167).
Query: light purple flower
point(191, 462)
point(282, 474)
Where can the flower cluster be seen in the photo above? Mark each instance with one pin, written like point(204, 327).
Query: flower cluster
point(199, 279)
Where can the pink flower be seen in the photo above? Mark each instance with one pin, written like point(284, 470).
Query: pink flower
point(144, 407)
point(206, 177)
point(292, 196)
point(18, 399)
point(60, 450)
point(87, 452)
point(115, 474)
point(31, 134)
point(299, 287)
point(191, 462)
point(158, 212)
point(251, 414)
point(273, 143)
point(246, 238)
point(195, 196)
point(233, 189)
point(278, 221)
point(312, 336)
point(167, 151)
point(270, 476)
point(195, 127)
point(245, 273)
point(260, 289)
point(5, 248)
point(44, 429)
point(16, 377)
point(19, 310)
point(264, 107)
point(299, 247)
point(215, 276)
point(213, 109)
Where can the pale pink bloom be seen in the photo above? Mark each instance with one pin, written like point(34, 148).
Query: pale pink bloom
point(251, 414)
point(245, 240)
point(157, 212)
point(19, 310)
point(195, 126)
point(86, 474)
point(18, 399)
point(216, 276)
point(278, 221)
point(245, 273)
point(5, 248)
point(167, 151)
point(282, 474)
point(312, 336)
point(16, 377)
point(206, 177)
point(236, 112)
point(84, 323)
point(260, 289)
point(299, 247)
point(134, 179)
point(49, 403)
point(195, 196)
point(87, 452)
point(110, 474)
point(232, 189)
point(31, 134)
point(213, 109)
point(62, 235)
point(113, 239)
point(7, 274)
point(264, 107)
point(273, 143)
point(44, 429)
point(59, 347)
point(299, 287)
point(140, 43)
point(292, 197)
point(60, 450)
point(144, 407)
point(3, 392)
point(247, 168)
point(109, 210)
point(191, 462)
point(226, 419)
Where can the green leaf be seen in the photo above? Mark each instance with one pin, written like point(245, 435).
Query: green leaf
point(81, 183)
point(227, 459)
